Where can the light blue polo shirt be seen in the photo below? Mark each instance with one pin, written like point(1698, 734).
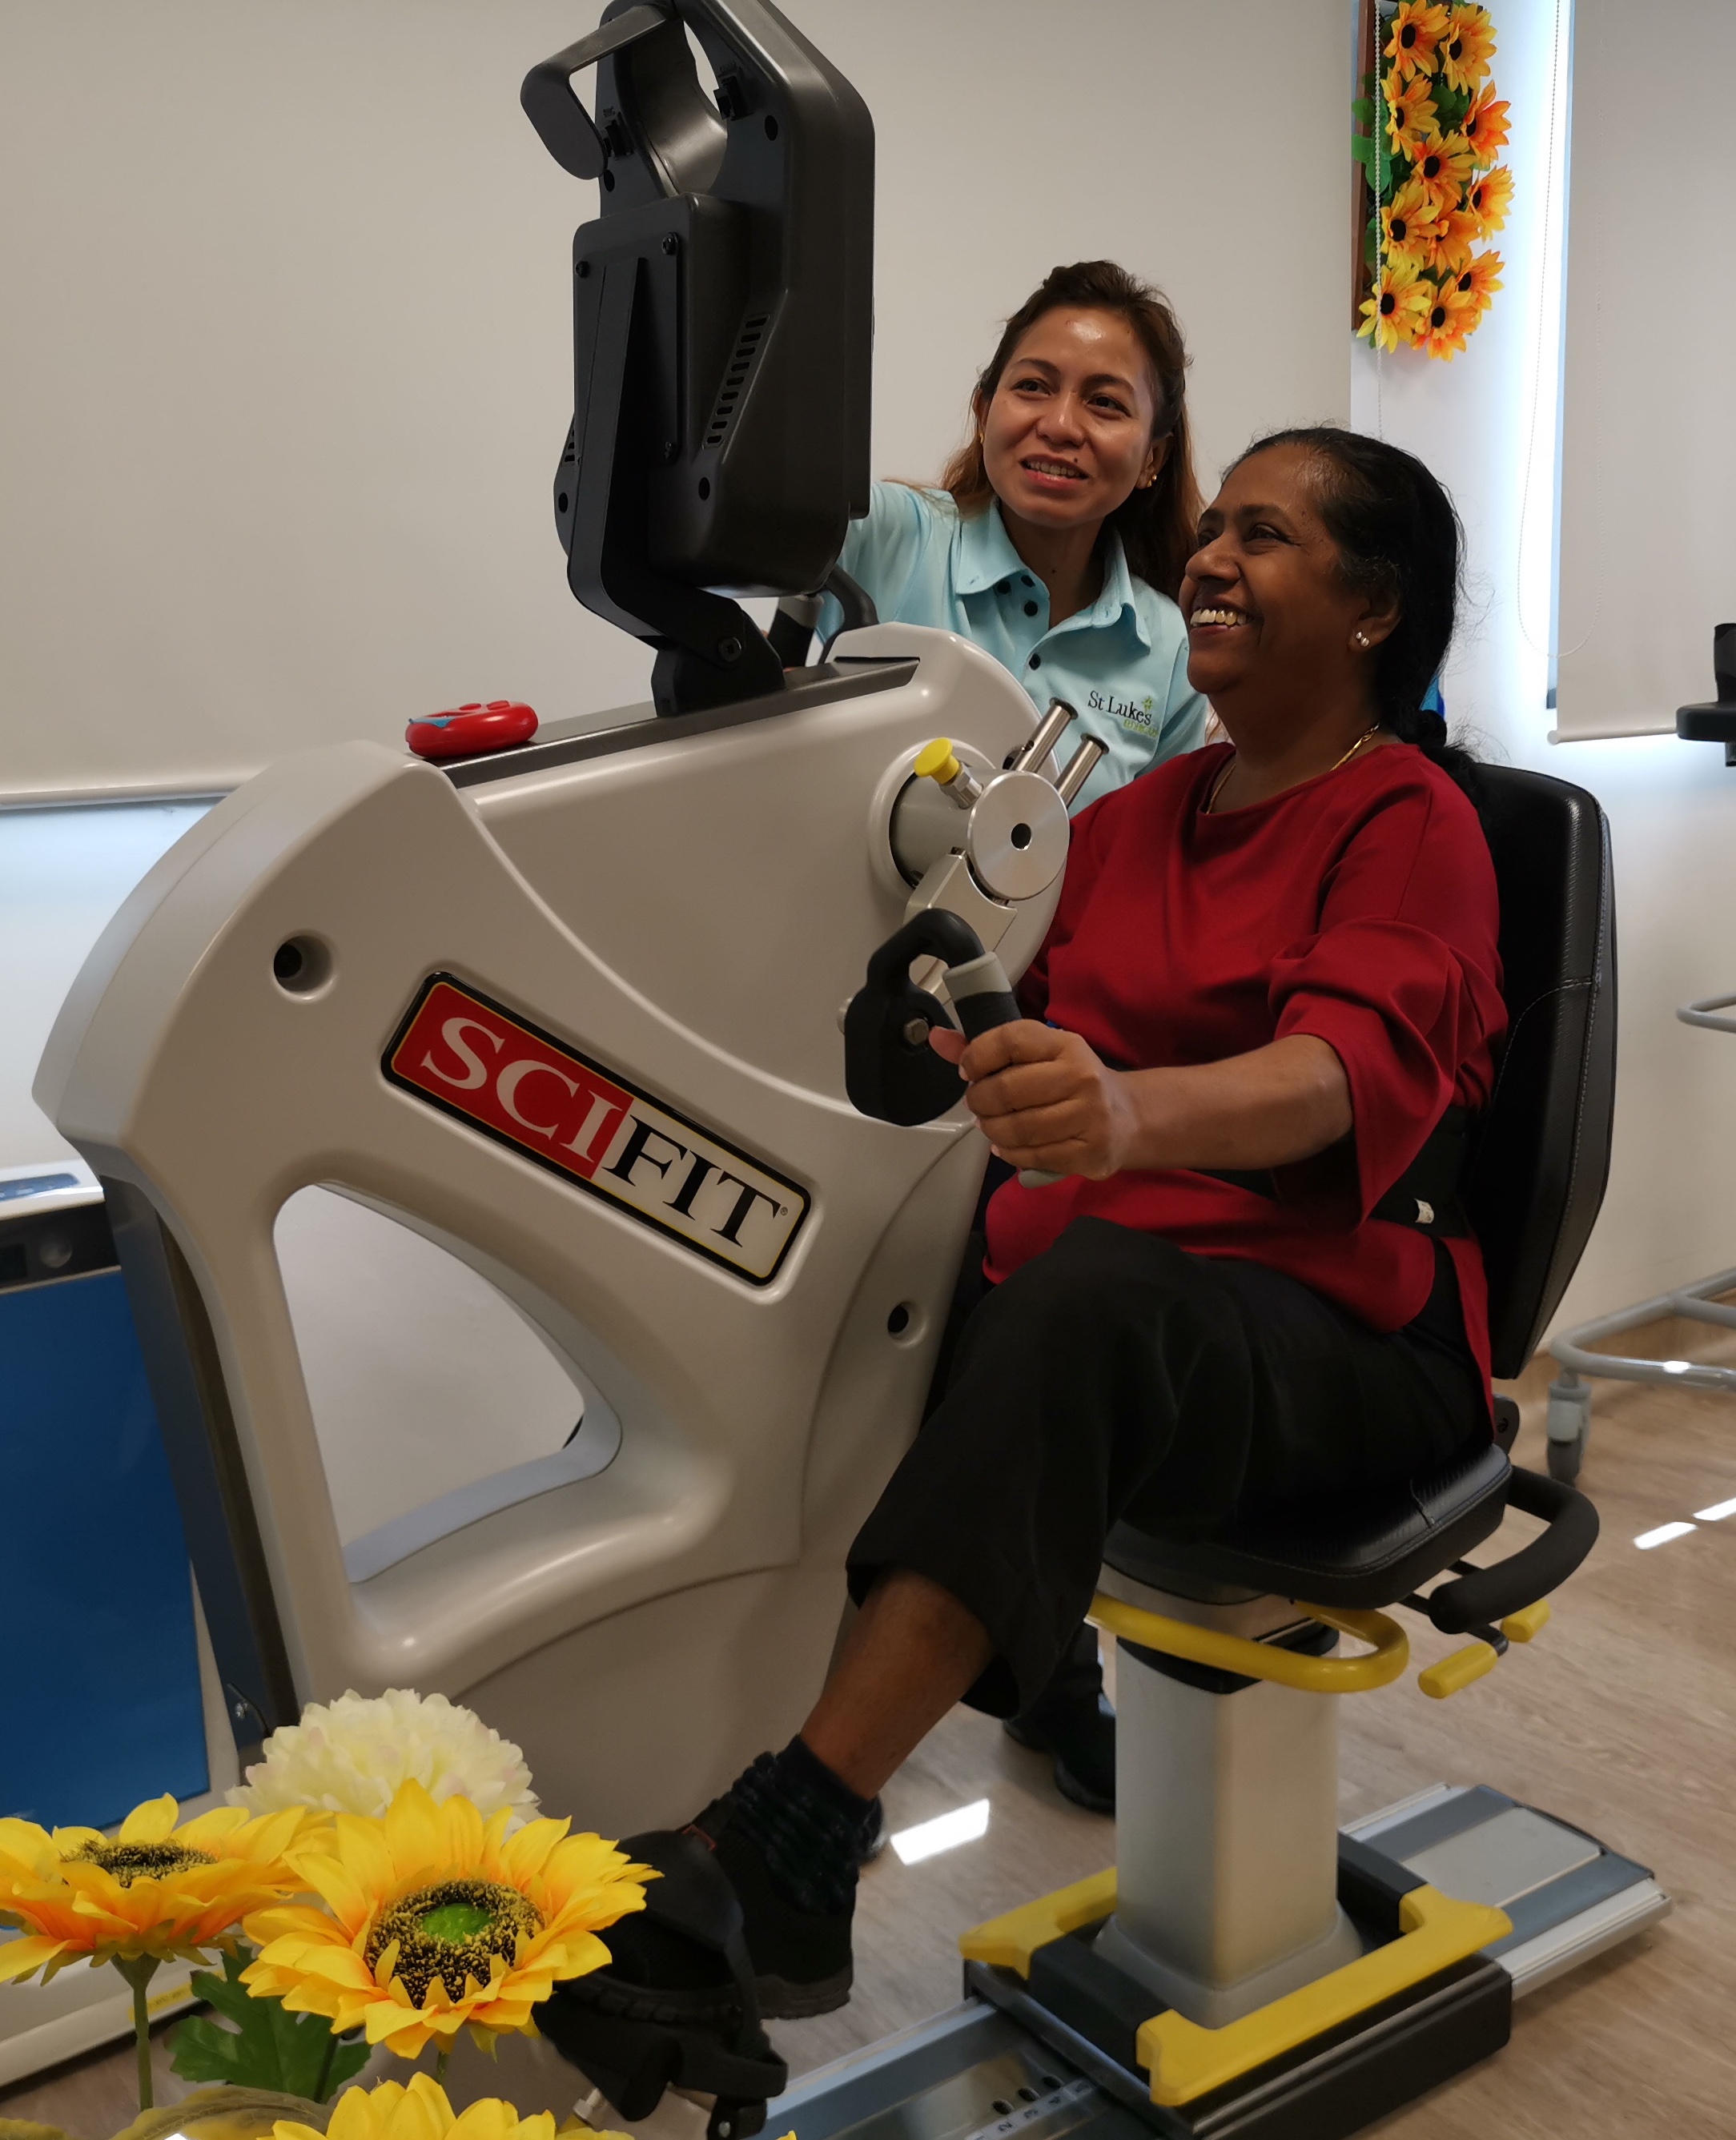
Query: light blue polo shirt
point(1122, 664)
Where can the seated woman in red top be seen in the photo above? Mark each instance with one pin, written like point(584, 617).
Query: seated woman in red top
point(1272, 974)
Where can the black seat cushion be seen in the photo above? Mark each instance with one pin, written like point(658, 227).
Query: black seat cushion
point(1369, 1555)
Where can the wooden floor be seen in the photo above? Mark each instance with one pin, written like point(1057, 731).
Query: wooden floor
point(1621, 1720)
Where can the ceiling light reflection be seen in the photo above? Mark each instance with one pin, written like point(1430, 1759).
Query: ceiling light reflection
point(929, 1838)
point(1662, 1535)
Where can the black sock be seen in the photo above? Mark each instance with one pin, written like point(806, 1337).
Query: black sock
point(808, 1827)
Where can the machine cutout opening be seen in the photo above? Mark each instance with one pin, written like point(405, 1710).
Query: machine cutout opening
point(435, 1399)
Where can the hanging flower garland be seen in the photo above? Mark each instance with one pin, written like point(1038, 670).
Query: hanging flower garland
point(1428, 129)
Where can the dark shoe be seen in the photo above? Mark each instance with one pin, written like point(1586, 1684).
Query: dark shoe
point(801, 1958)
point(873, 1836)
point(676, 2005)
point(1082, 1745)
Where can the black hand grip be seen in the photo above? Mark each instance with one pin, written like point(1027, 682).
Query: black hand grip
point(890, 1071)
point(566, 129)
point(982, 1012)
point(1481, 1599)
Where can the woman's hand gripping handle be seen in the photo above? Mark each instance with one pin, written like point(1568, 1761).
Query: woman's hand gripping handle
point(1041, 1097)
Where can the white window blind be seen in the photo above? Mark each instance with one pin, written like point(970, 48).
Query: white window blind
point(286, 337)
point(1648, 548)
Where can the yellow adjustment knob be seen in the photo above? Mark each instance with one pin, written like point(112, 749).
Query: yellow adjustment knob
point(936, 761)
point(1525, 1626)
point(1454, 1673)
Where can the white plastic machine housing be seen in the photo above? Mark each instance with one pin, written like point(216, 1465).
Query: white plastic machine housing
point(687, 912)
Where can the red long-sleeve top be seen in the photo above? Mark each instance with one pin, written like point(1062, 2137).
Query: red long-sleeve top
point(1360, 907)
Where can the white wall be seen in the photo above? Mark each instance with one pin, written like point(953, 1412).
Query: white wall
point(1484, 423)
point(287, 336)
point(1015, 134)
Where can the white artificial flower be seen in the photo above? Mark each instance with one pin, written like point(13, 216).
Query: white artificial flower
point(350, 1755)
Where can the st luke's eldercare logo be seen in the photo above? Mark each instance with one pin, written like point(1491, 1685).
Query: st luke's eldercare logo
point(472, 1059)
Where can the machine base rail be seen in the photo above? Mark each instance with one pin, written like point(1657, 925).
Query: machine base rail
point(1028, 2060)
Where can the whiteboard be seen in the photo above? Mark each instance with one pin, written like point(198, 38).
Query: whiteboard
point(285, 347)
point(1648, 546)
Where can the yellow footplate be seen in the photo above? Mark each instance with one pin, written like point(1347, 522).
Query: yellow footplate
point(1186, 2061)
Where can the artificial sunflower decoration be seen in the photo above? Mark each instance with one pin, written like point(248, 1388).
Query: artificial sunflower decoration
point(435, 1920)
point(160, 1891)
point(422, 2111)
point(1393, 312)
point(1417, 30)
point(1409, 119)
point(1485, 125)
point(1428, 128)
point(1408, 224)
point(1452, 315)
point(1466, 47)
point(1489, 198)
point(1442, 169)
point(1481, 278)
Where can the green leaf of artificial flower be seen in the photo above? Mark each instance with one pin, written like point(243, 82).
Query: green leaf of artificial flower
point(293, 2053)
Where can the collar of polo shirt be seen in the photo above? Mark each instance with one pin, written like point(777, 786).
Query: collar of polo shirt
point(984, 559)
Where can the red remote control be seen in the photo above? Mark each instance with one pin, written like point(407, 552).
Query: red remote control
point(468, 731)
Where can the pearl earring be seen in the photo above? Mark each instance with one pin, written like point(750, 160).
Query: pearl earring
point(1362, 639)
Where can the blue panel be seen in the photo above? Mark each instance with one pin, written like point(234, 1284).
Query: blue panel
point(100, 1702)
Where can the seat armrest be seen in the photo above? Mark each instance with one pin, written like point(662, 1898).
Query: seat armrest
point(1480, 1599)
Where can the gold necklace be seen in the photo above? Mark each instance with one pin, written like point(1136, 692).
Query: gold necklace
point(1230, 766)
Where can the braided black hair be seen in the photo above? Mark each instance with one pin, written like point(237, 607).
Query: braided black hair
point(1399, 540)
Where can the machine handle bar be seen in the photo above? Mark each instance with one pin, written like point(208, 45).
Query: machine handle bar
point(567, 129)
point(1489, 1594)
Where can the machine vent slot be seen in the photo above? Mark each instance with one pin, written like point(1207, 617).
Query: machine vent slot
point(734, 380)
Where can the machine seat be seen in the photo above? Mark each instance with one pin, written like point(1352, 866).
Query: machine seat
point(1369, 1555)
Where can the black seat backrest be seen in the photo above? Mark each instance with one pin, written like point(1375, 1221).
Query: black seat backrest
point(1542, 1153)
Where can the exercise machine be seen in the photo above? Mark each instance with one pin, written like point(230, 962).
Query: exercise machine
point(567, 1014)
point(563, 1018)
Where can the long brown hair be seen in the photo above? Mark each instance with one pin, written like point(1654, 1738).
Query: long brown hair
point(1157, 526)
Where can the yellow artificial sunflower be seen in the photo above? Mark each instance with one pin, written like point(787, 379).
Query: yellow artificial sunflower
point(1408, 225)
point(1418, 29)
point(1466, 46)
point(154, 1892)
point(1443, 168)
point(435, 1921)
point(1484, 125)
point(1480, 278)
point(423, 2111)
point(1410, 121)
point(1450, 316)
point(1488, 197)
point(1400, 299)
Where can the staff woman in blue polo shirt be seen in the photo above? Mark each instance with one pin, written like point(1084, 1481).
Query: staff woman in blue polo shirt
point(1056, 536)
point(1056, 539)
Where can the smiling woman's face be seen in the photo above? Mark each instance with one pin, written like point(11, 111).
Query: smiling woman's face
point(1267, 604)
point(1066, 435)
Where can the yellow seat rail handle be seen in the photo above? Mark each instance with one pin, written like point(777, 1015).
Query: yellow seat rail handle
point(1389, 1654)
point(1457, 1671)
point(1186, 2061)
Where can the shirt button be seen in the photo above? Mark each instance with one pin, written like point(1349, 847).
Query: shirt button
point(1024, 579)
point(1004, 586)
point(1031, 609)
point(1034, 662)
